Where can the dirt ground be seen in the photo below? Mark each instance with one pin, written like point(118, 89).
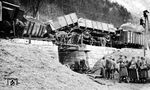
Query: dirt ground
point(37, 68)
point(114, 85)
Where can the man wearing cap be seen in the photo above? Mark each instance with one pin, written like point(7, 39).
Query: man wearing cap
point(133, 70)
point(143, 70)
point(123, 73)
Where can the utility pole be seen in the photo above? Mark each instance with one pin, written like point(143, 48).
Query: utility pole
point(146, 26)
point(0, 11)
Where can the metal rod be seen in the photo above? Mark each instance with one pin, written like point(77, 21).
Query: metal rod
point(146, 30)
point(14, 29)
point(144, 37)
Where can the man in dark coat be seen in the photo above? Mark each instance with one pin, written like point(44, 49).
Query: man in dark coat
point(133, 70)
point(143, 72)
point(123, 73)
point(109, 65)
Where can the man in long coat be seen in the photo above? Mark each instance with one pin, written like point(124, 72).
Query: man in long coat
point(123, 73)
point(143, 72)
point(133, 70)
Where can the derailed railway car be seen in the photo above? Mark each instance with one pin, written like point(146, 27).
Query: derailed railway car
point(100, 33)
point(82, 31)
point(63, 23)
point(34, 28)
point(68, 29)
point(130, 39)
point(62, 28)
point(9, 13)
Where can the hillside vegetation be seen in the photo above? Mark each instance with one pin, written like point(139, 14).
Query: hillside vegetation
point(99, 10)
point(135, 6)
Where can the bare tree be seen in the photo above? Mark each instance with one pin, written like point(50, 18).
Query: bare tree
point(36, 6)
point(33, 6)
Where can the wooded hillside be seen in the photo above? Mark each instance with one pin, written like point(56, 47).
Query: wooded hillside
point(99, 10)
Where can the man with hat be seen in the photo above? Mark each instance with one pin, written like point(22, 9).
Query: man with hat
point(123, 73)
point(143, 70)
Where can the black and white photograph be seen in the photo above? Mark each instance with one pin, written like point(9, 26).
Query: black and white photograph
point(74, 44)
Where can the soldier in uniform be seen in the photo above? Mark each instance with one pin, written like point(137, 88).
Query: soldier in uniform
point(138, 62)
point(133, 70)
point(76, 66)
point(108, 67)
point(113, 68)
point(103, 67)
point(143, 72)
point(83, 66)
point(123, 73)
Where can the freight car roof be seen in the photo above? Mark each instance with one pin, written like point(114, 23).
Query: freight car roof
point(130, 30)
point(7, 8)
point(10, 4)
point(72, 19)
point(86, 23)
point(132, 27)
point(67, 20)
point(34, 20)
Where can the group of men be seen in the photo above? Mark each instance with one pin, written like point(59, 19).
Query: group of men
point(79, 66)
point(132, 70)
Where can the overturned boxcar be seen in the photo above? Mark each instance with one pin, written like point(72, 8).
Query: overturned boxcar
point(35, 28)
point(8, 14)
point(99, 33)
point(131, 39)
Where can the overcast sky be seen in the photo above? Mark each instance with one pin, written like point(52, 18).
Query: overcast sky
point(135, 6)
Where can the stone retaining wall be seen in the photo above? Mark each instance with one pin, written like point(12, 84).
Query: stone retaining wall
point(97, 52)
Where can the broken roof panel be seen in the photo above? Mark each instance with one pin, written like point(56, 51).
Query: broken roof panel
point(81, 22)
point(100, 27)
point(74, 17)
point(62, 21)
point(56, 24)
point(89, 23)
point(94, 24)
point(111, 28)
point(68, 19)
point(105, 26)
